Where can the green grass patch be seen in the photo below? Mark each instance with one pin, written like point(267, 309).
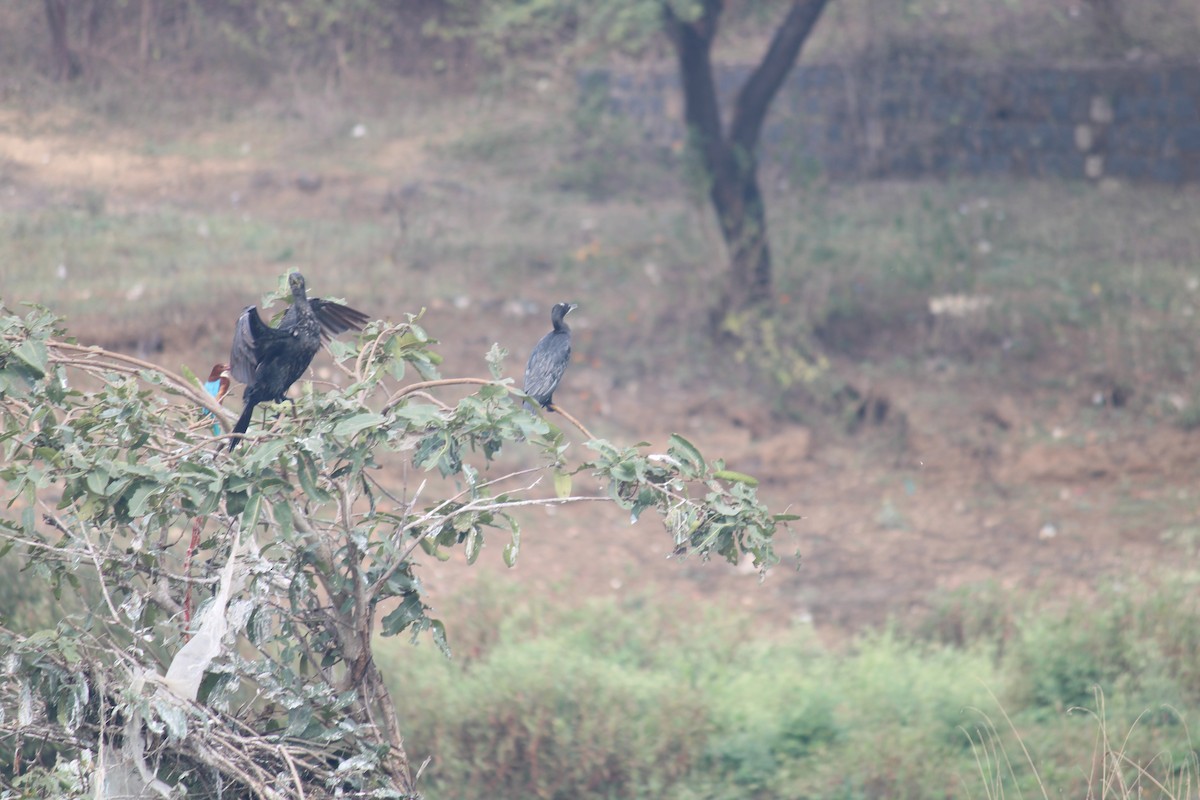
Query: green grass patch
point(84, 263)
point(638, 699)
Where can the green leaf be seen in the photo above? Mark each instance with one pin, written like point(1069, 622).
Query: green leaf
point(69, 650)
point(395, 349)
point(426, 364)
point(49, 454)
point(282, 511)
point(473, 545)
point(193, 468)
point(513, 548)
point(686, 452)
point(40, 641)
point(34, 354)
point(447, 535)
point(250, 512)
point(414, 335)
point(97, 481)
point(264, 453)
point(736, 477)
point(418, 415)
point(403, 615)
point(495, 360)
point(172, 716)
point(138, 503)
point(645, 499)
point(306, 471)
point(235, 502)
point(562, 483)
point(438, 629)
point(624, 471)
point(349, 427)
point(298, 719)
point(90, 507)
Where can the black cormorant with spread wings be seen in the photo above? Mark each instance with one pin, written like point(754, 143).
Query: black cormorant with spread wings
point(269, 360)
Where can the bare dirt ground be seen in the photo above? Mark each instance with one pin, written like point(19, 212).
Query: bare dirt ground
point(960, 483)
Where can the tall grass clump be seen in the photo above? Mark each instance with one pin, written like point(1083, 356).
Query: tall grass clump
point(1132, 640)
point(1095, 752)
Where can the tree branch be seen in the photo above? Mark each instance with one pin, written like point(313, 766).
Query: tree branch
point(104, 359)
point(694, 41)
point(754, 99)
point(573, 421)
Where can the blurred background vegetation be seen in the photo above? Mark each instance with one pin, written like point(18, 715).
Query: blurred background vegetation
point(163, 162)
point(644, 697)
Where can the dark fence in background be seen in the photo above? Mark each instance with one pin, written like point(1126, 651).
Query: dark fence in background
point(1131, 122)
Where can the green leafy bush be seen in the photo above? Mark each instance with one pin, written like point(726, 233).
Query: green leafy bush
point(641, 698)
point(226, 602)
point(543, 720)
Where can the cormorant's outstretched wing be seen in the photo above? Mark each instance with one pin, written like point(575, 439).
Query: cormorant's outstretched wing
point(336, 318)
point(250, 332)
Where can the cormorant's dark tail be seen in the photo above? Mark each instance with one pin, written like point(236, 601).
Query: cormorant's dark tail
point(242, 424)
point(535, 406)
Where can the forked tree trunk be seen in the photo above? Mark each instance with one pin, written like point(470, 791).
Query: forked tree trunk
point(731, 159)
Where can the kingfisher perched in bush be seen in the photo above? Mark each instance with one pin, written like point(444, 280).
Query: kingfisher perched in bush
point(217, 385)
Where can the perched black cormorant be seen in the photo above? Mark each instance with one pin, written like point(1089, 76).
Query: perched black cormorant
point(549, 358)
point(269, 360)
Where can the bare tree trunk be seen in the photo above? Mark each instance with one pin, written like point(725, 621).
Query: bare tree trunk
point(732, 160)
point(145, 32)
point(1114, 36)
point(93, 15)
point(375, 692)
point(66, 63)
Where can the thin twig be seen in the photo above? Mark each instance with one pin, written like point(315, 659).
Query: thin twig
point(57, 523)
point(292, 766)
point(573, 421)
point(416, 387)
point(434, 400)
point(432, 514)
point(549, 501)
point(185, 387)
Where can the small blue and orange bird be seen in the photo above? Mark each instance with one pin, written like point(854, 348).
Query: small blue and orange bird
point(218, 386)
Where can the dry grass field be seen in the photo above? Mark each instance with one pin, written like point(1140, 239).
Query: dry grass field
point(1038, 442)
